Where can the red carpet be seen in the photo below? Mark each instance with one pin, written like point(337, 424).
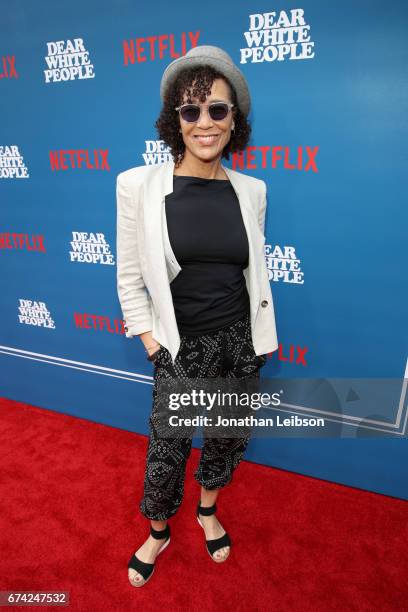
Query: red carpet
point(70, 521)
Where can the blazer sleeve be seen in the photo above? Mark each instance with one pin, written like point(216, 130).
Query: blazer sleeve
point(262, 208)
point(132, 293)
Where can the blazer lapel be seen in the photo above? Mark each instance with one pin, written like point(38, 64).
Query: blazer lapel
point(157, 184)
point(252, 272)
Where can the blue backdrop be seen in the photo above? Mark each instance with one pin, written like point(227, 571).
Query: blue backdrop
point(79, 95)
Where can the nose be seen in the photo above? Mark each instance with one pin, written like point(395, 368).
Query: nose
point(204, 119)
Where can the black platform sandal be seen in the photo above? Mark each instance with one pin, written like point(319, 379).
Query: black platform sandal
point(217, 543)
point(147, 569)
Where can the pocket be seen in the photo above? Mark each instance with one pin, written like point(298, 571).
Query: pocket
point(153, 356)
point(261, 360)
point(157, 356)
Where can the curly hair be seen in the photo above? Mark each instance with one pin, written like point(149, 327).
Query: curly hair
point(168, 123)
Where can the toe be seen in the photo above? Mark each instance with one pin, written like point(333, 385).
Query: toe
point(222, 553)
point(135, 577)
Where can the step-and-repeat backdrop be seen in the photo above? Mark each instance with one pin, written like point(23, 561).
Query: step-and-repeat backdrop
point(79, 95)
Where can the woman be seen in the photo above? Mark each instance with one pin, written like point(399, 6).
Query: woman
point(192, 281)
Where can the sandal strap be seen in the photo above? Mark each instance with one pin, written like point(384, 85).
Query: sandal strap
point(214, 545)
point(145, 569)
point(206, 511)
point(160, 534)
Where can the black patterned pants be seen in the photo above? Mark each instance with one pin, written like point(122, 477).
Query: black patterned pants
point(225, 353)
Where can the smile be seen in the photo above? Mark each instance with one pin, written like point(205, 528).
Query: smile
point(205, 140)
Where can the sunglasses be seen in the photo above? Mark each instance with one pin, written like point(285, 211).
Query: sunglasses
point(192, 112)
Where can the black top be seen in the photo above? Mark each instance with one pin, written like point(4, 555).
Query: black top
point(209, 240)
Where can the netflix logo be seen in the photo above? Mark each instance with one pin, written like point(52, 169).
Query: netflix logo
point(151, 48)
point(98, 323)
point(294, 354)
point(276, 157)
point(8, 65)
point(76, 159)
point(22, 242)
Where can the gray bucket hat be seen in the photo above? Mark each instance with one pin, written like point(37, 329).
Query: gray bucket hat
point(218, 59)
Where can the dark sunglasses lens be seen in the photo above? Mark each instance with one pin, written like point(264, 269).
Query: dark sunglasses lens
point(190, 113)
point(218, 112)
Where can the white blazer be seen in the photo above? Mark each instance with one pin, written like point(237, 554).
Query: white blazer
point(146, 264)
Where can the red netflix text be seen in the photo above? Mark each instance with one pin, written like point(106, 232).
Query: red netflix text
point(300, 158)
point(11, 240)
point(78, 158)
point(140, 50)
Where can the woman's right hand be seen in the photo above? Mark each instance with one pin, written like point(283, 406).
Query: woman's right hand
point(154, 350)
point(151, 345)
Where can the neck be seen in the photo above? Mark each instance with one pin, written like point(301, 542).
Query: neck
point(199, 168)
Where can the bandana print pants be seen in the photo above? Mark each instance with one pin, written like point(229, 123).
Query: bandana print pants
point(225, 353)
